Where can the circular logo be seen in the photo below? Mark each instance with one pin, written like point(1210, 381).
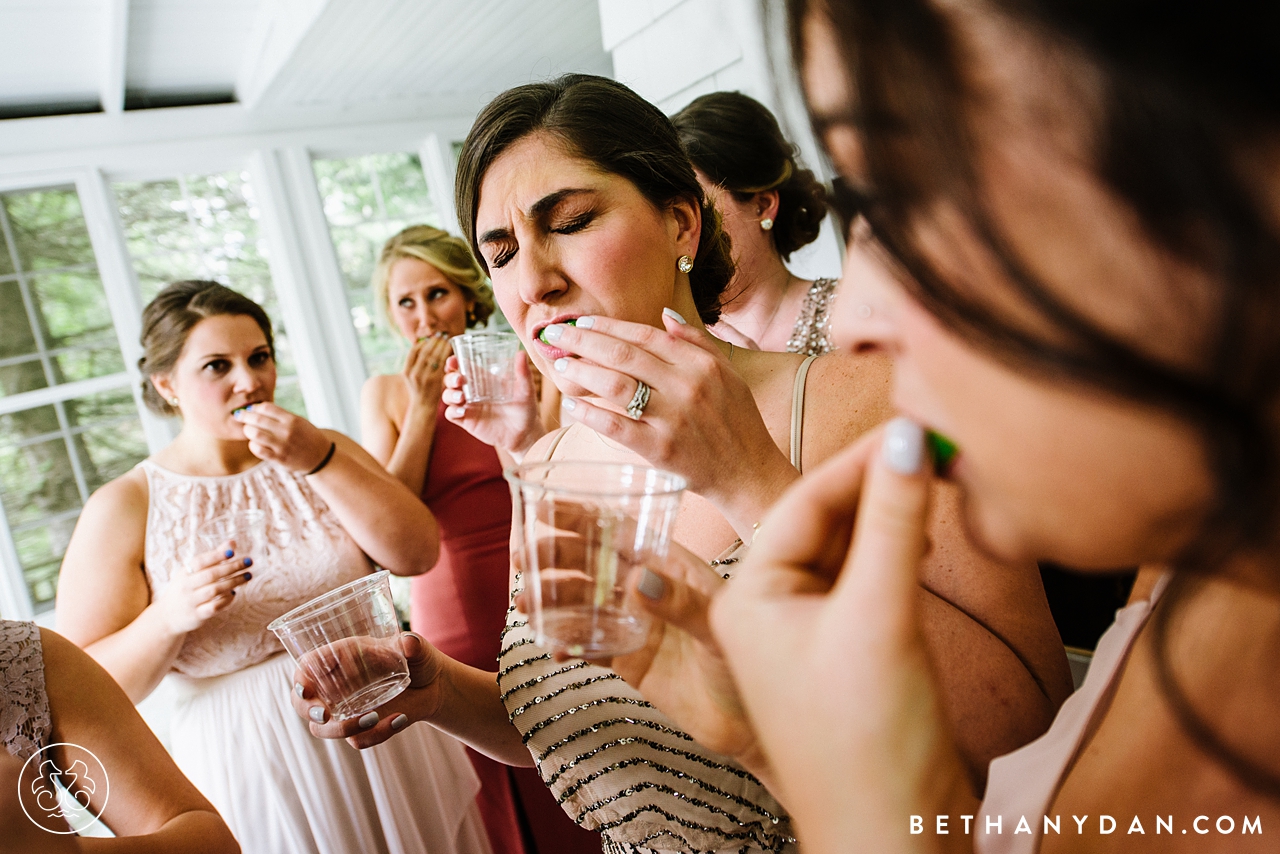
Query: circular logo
point(63, 788)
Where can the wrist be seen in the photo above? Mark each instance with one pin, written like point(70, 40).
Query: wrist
point(754, 494)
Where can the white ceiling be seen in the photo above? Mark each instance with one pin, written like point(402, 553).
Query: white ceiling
point(63, 56)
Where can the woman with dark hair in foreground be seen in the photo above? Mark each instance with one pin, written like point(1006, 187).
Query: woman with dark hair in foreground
point(1072, 255)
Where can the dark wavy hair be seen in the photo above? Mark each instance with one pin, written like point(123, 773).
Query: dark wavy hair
point(611, 126)
point(168, 320)
point(735, 141)
point(1187, 93)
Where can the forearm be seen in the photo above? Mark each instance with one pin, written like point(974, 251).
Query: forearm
point(744, 498)
point(471, 711)
point(194, 831)
point(412, 452)
point(139, 655)
point(387, 521)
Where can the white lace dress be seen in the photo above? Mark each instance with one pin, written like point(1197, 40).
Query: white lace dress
point(24, 706)
point(234, 731)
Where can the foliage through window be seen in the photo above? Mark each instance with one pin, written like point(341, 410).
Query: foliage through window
point(205, 227)
point(55, 331)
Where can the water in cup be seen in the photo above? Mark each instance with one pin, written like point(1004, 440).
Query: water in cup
point(247, 527)
point(348, 642)
point(585, 530)
point(487, 360)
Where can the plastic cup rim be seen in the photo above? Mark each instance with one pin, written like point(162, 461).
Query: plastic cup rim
point(514, 476)
point(334, 597)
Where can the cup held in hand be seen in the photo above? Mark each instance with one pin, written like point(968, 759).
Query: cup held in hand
point(488, 361)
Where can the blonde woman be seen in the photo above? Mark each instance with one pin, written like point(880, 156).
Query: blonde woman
point(432, 289)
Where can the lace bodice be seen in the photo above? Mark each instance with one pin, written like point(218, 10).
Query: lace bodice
point(811, 335)
point(306, 553)
point(24, 705)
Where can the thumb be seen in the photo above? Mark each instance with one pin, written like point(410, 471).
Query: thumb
point(889, 537)
point(675, 602)
point(680, 328)
point(423, 666)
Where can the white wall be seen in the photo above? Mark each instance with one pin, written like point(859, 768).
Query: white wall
point(672, 51)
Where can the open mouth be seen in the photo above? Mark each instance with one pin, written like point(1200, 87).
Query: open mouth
point(943, 451)
point(240, 409)
point(540, 331)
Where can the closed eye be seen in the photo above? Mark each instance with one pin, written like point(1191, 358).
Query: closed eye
point(575, 224)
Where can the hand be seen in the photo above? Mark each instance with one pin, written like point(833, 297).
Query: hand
point(512, 427)
point(418, 702)
point(280, 436)
point(424, 369)
point(821, 633)
point(206, 587)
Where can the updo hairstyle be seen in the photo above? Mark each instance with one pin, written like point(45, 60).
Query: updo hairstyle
point(448, 254)
point(735, 141)
point(168, 320)
point(607, 124)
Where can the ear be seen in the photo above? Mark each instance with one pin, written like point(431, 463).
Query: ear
point(686, 219)
point(162, 385)
point(767, 203)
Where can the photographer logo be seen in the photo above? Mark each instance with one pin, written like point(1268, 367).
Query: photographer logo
point(63, 788)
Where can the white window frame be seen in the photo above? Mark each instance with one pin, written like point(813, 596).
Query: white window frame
point(304, 267)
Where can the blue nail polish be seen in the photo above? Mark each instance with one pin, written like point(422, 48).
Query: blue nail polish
point(248, 561)
point(228, 553)
point(248, 575)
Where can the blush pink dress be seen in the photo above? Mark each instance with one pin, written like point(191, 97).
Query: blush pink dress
point(234, 730)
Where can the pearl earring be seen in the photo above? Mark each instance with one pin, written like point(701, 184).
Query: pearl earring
point(684, 264)
point(173, 401)
point(766, 224)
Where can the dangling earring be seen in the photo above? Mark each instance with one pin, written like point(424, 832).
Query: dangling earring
point(684, 263)
point(766, 224)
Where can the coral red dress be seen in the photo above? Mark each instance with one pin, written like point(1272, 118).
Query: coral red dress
point(460, 606)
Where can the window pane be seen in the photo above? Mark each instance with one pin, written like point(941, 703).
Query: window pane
point(367, 200)
point(48, 229)
point(6, 260)
point(202, 227)
point(111, 441)
point(40, 552)
point(77, 325)
point(36, 475)
point(17, 340)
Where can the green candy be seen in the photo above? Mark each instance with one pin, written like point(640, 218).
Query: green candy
point(542, 336)
point(944, 450)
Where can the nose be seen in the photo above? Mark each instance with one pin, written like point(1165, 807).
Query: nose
point(541, 278)
point(246, 380)
point(863, 315)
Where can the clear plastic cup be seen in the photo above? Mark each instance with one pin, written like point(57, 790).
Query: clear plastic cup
point(247, 527)
point(584, 529)
point(348, 642)
point(488, 361)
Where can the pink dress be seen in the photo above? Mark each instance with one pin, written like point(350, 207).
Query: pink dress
point(25, 722)
point(461, 607)
point(234, 731)
point(1024, 783)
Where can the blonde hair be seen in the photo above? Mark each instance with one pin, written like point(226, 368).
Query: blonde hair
point(448, 254)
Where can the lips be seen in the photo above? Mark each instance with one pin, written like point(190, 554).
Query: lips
point(547, 350)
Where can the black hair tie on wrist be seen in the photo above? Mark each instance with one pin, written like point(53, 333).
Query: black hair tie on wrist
point(333, 446)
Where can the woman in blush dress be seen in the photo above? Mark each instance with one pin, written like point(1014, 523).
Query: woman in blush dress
point(431, 289)
point(141, 595)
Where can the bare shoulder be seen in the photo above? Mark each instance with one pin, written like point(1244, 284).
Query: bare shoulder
point(122, 503)
point(846, 395)
point(384, 393)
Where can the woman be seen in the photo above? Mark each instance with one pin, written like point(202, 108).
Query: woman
point(57, 704)
point(431, 290)
point(770, 206)
point(583, 207)
point(1073, 263)
point(144, 599)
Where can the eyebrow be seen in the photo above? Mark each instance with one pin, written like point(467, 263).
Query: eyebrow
point(228, 355)
point(537, 210)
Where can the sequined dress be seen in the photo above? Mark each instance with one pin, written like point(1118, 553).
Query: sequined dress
point(25, 723)
point(617, 764)
point(812, 332)
point(234, 731)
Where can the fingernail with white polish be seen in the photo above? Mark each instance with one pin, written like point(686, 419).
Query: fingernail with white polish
point(318, 714)
point(651, 585)
point(298, 689)
point(675, 315)
point(569, 403)
point(903, 446)
point(368, 720)
point(552, 333)
point(585, 322)
point(399, 722)
point(561, 365)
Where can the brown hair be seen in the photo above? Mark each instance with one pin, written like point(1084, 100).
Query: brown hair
point(168, 320)
point(604, 122)
point(735, 141)
point(448, 254)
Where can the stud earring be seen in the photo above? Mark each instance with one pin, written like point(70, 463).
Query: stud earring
point(766, 224)
point(684, 264)
point(173, 401)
